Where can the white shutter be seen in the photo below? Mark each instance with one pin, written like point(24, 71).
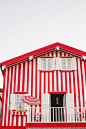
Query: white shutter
point(12, 101)
point(39, 63)
point(45, 107)
point(58, 63)
point(70, 106)
point(74, 63)
point(53, 64)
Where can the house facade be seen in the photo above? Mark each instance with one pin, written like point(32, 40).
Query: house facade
point(56, 75)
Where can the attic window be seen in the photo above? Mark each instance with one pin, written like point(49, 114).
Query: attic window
point(46, 64)
point(66, 64)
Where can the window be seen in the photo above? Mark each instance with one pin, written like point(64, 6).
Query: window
point(66, 64)
point(18, 102)
point(46, 64)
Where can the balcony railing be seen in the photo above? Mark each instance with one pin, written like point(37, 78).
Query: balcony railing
point(56, 114)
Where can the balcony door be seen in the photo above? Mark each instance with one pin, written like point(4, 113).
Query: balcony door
point(56, 101)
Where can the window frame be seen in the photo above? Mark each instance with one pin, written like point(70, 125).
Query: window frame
point(22, 107)
point(66, 64)
point(47, 65)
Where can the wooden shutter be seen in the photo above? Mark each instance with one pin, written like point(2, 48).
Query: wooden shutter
point(39, 63)
point(12, 101)
point(53, 63)
point(74, 63)
point(45, 107)
point(70, 106)
point(58, 63)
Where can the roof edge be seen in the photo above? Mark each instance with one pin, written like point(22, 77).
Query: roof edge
point(21, 57)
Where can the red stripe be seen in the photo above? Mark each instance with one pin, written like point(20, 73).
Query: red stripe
point(9, 95)
point(40, 89)
point(52, 81)
point(5, 113)
point(82, 82)
point(12, 120)
point(74, 88)
point(32, 79)
point(36, 78)
point(17, 120)
point(78, 86)
point(22, 120)
point(48, 81)
point(44, 82)
point(23, 80)
point(4, 81)
point(14, 78)
point(19, 71)
point(28, 77)
point(61, 77)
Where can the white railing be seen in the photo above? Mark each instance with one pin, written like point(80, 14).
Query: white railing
point(56, 114)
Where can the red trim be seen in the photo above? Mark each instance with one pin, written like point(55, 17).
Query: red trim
point(20, 92)
point(48, 57)
point(66, 70)
point(51, 125)
point(71, 49)
point(47, 71)
point(65, 56)
point(62, 92)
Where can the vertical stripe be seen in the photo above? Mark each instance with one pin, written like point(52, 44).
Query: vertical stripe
point(44, 82)
point(28, 76)
point(3, 97)
point(16, 78)
point(36, 78)
point(32, 79)
point(48, 81)
point(5, 103)
point(8, 96)
point(19, 70)
point(21, 77)
point(23, 80)
point(25, 83)
point(34, 61)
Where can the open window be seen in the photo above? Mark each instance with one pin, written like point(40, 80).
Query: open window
point(16, 103)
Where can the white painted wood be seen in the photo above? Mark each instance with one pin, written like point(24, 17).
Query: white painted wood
point(39, 63)
point(74, 63)
point(53, 64)
point(70, 106)
point(58, 63)
point(45, 107)
point(12, 101)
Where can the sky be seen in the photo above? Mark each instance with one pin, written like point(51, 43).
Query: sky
point(26, 25)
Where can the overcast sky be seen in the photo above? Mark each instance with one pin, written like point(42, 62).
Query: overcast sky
point(26, 25)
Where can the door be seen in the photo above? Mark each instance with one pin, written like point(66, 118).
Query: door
point(57, 113)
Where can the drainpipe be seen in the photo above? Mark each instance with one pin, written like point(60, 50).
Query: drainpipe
point(2, 70)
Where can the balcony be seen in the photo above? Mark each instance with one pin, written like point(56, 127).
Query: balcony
point(56, 115)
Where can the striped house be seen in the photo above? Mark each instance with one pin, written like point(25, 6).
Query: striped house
point(56, 75)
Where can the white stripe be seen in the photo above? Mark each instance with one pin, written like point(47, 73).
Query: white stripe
point(14, 124)
point(63, 81)
point(21, 77)
point(38, 84)
point(55, 89)
point(25, 85)
point(34, 64)
point(17, 77)
point(68, 82)
point(12, 91)
point(19, 120)
point(42, 83)
point(80, 83)
point(72, 87)
point(8, 96)
point(4, 98)
point(30, 77)
point(24, 119)
point(83, 72)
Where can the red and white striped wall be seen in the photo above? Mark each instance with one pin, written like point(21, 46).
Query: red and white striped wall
point(24, 77)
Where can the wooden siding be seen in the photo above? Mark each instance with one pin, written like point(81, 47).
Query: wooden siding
point(24, 77)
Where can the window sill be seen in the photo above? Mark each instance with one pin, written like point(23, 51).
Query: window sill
point(14, 113)
point(66, 70)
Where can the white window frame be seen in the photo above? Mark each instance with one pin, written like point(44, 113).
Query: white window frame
point(20, 102)
point(47, 64)
point(66, 63)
